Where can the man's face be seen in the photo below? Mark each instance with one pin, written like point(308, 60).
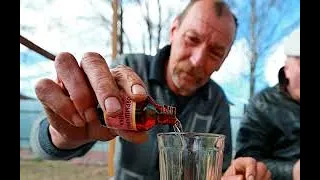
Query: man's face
point(292, 72)
point(199, 46)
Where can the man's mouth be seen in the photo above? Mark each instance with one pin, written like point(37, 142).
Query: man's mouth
point(187, 76)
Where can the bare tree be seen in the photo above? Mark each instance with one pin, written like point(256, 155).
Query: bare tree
point(159, 25)
point(154, 27)
point(121, 30)
point(103, 20)
point(267, 25)
point(152, 40)
point(144, 43)
point(147, 19)
point(122, 34)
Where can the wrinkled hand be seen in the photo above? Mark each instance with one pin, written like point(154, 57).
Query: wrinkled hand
point(247, 168)
point(70, 102)
point(296, 171)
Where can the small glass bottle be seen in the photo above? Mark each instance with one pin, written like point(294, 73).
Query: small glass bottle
point(140, 116)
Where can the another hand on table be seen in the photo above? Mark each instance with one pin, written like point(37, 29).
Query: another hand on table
point(296, 171)
point(247, 168)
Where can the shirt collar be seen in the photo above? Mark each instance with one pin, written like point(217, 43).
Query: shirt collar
point(157, 65)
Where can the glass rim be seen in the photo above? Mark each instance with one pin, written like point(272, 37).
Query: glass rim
point(192, 133)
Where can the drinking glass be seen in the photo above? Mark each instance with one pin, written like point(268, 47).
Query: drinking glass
point(190, 156)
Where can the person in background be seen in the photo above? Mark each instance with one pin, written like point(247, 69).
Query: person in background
point(270, 131)
point(179, 75)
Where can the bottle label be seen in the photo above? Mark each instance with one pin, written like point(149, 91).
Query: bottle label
point(126, 120)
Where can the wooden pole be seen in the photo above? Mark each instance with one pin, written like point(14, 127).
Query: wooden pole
point(114, 32)
point(112, 143)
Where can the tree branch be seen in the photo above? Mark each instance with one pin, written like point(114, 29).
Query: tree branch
point(159, 26)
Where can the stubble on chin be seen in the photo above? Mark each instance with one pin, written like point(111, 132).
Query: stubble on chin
point(180, 90)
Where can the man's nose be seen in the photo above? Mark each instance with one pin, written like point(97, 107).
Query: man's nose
point(198, 57)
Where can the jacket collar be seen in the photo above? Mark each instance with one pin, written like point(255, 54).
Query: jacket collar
point(157, 65)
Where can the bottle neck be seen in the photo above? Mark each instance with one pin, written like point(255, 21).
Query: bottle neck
point(159, 117)
point(163, 114)
point(166, 119)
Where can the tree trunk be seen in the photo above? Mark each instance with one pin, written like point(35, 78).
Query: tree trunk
point(121, 33)
point(159, 26)
point(149, 25)
point(253, 46)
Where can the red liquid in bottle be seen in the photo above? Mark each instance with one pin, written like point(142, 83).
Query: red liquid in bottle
point(141, 116)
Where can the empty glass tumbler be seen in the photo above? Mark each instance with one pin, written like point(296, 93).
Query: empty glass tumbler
point(190, 156)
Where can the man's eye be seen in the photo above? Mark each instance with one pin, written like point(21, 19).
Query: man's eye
point(192, 40)
point(216, 55)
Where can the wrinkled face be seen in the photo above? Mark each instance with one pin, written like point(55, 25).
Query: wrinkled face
point(292, 72)
point(199, 45)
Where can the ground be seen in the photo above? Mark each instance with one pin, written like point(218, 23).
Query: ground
point(92, 166)
point(57, 170)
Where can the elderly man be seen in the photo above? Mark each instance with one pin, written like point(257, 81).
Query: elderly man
point(270, 131)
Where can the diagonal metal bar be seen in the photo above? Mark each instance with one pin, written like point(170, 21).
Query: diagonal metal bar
point(36, 48)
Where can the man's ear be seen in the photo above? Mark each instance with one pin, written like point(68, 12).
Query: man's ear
point(174, 27)
point(283, 80)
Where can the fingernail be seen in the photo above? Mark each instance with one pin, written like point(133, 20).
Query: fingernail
point(90, 114)
point(112, 105)
point(250, 177)
point(77, 121)
point(138, 90)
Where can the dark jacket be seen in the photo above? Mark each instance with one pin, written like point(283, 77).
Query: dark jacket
point(270, 130)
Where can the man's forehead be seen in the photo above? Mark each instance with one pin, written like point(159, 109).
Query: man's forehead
point(203, 16)
point(209, 28)
point(213, 26)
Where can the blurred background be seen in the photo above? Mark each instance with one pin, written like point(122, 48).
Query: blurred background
point(113, 27)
